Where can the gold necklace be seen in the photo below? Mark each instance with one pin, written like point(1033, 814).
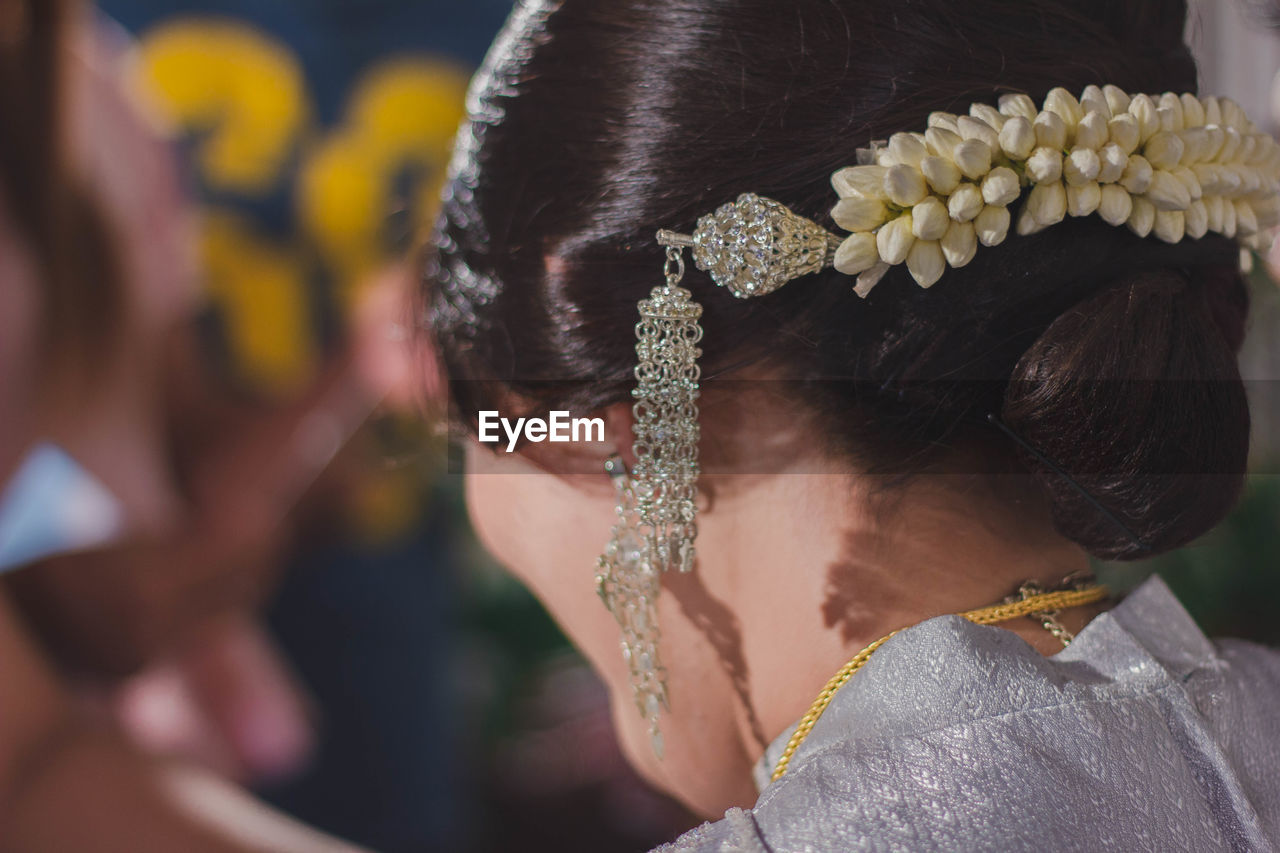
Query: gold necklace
point(1044, 606)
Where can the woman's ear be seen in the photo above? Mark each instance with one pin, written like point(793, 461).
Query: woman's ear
point(619, 425)
point(591, 440)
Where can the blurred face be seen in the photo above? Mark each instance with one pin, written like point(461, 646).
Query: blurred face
point(19, 321)
point(112, 421)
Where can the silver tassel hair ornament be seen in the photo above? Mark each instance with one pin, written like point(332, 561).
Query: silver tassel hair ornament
point(752, 246)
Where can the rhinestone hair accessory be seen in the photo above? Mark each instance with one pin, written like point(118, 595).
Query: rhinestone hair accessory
point(628, 585)
point(657, 502)
point(755, 245)
point(666, 420)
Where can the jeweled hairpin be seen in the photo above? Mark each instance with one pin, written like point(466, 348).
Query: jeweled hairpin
point(755, 245)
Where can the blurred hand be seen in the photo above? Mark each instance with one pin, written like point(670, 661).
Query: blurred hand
point(242, 468)
point(228, 702)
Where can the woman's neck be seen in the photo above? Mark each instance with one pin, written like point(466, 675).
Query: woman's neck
point(797, 572)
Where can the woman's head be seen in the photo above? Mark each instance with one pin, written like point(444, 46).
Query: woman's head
point(1112, 355)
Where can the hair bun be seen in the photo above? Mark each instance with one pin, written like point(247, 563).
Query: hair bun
point(1136, 393)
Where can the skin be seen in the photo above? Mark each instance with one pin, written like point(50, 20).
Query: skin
point(799, 566)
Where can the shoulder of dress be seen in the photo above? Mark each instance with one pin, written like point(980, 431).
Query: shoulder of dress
point(735, 833)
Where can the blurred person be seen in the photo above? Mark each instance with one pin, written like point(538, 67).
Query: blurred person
point(898, 467)
point(95, 281)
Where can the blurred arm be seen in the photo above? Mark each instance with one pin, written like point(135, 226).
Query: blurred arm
point(68, 784)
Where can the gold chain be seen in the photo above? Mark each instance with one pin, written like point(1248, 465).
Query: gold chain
point(1003, 612)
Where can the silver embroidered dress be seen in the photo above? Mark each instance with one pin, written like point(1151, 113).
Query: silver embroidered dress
point(1141, 735)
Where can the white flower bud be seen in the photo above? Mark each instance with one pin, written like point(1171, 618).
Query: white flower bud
point(1113, 159)
point(1051, 130)
point(1228, 218)
point(1117, 99)
point(1027, 223)
point(1226, 180)
point(1062, 102)
point(965, 203)
point(930, 219)
point(1262, 149)
point(1018, 105)
point(1192, 111)
point(870, 279)
point(1233, 116)
point(858, 213)
point(1268, 213)
point(1248, 145)
point(972, 128)
point(904, 185)
point(1083, 199)
point(1143, 109)
point(942, 174)
point(1188, 180)
point(1210, 181)
point(1195, 141)
point(1246, 219)
point(1171, 102)
point(858, 253)
point(1017, 138)
point(1137, 175)
point(1249, 179)
point(973, 157)
point(1124, 131)
point(1092, 131)
point(1217, 138)
point(1197, 220)
point(1048, 203)
point(1044, 165)
point(1169, 225)
point(926, 263)
point(1212, 111)
point(894, 239)
point(989, 114)
point(1213, 206)
point(960, 243)
point(1230, 145)
point(906, 148)
point(942, 142)
point(1142, 217)
point(946, 121)
point(1001, 186)
point(992, 225)
point(1082, 166)
point(1167, 192)
point(865, 181)
point(1163, 150)
point(1092, 100)
point(1115, 204)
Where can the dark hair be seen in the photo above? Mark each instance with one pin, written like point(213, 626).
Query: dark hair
point(616, 119)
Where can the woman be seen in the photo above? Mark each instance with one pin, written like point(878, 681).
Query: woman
point(971, 425)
